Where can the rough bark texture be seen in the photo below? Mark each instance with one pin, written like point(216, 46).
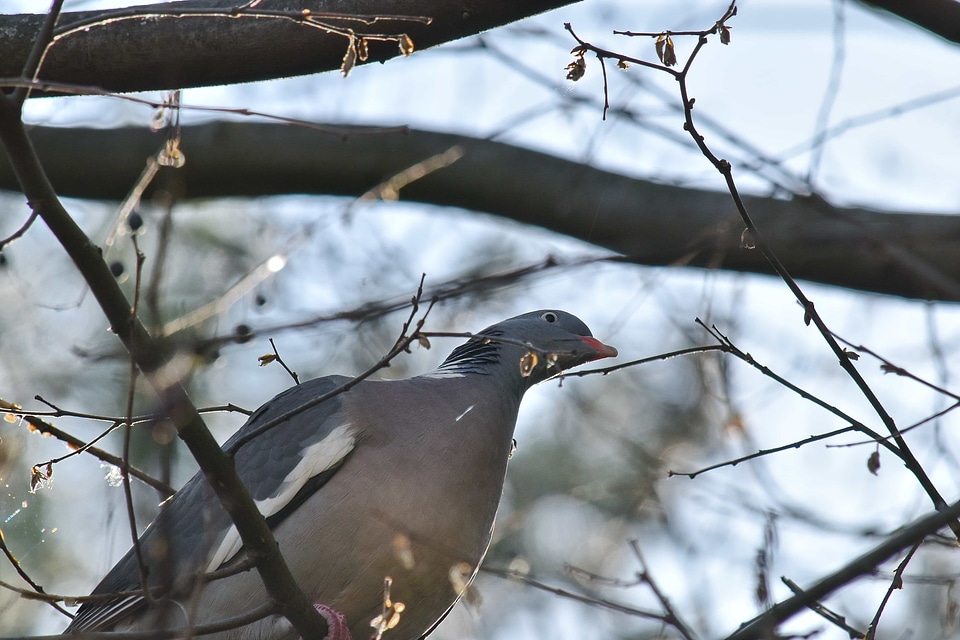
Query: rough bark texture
point(904, 254)
point(150, 53)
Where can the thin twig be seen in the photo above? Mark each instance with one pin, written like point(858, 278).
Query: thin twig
point(725, 168)
point(895, 583)
point(12, 559)
point(889, 367)
point(59, 412)
point(84, 90)
point(226, 624)
point(761, 453)
point(563, 593)
point(762, 627)
point(671, 615)
point(633, 363)
point(32, 66)
point(402, 345)
point(79, 446)
point(293, 374)
point(746, 357)
point(16, 235)
point(833, 617)
point(216, 465)
point(128, 435)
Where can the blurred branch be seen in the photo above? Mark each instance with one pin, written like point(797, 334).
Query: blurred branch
point(259, 612)
point(818, 144)
point(603, 603)
point(224, 47)
point(37, 589)
point(128, 437)
point(451, 289)
point(388, 189)
point(764, 626)
point(905, 254)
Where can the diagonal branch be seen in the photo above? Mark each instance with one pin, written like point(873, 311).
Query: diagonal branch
point(764, 625)
point(149, 357)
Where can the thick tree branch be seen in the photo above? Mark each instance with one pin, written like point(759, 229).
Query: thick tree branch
point(176, 52)
point(941, 17)
point(217, 466)
point(904, 254)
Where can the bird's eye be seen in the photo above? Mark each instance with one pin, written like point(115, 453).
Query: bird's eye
point(550, 317)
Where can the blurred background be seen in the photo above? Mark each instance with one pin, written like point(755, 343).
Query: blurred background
point(591, 471)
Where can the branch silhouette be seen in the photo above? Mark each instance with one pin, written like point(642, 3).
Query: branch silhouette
point(223, 46)
point(895, 253)
point(149, 358)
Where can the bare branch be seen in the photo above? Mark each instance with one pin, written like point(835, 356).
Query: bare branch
point(32, 65)
point(602, 603)
point(12, 559)
point(276, 354)
point(834, 618)
point(80, 446)
point(257, 613)
point(227, 45)
point(16, 235)
point(149, 358)
point(402, 345)
point(764, 625)
point(889, 367)
point(758, 242)
point(671, 615)
point(905, 254)
point(895, 583)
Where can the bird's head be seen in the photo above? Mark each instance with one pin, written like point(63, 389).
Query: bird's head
point(539, 344)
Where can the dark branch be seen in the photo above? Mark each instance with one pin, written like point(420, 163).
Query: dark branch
point(149, 358)
point(941, 17)
point(80, 446)
point(904, 254)
point(764, 625)
point(178, 52)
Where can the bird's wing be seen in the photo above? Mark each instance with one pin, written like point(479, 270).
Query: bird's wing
point(193, 534)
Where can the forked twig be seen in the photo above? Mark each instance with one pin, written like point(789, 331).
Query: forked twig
point(753, 239)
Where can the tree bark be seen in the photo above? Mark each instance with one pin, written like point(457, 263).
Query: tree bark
point(941, 17)
point(905, 254)
point(171, 52)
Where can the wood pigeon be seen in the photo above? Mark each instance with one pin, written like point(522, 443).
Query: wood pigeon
point(391, 485)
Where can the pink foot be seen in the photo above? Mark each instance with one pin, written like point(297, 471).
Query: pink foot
point(337, 628)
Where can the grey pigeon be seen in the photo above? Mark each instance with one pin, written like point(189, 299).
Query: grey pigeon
point(390, 479)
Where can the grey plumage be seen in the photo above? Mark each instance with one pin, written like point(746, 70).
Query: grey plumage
point(391, 478)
